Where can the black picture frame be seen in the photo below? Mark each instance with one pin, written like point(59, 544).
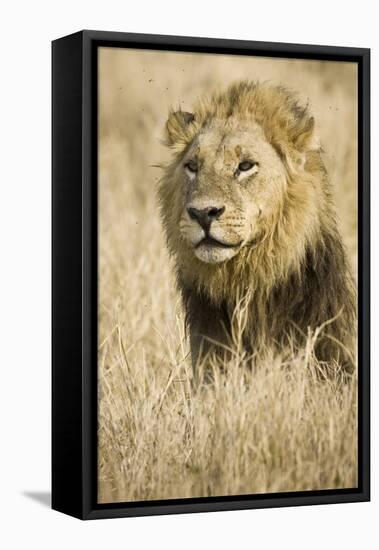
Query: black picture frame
point(74, 273)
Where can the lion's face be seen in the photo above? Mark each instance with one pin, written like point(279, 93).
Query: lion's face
point(231, 183)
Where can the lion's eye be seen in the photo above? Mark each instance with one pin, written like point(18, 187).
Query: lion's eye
point(191, 166)
point(246, 165)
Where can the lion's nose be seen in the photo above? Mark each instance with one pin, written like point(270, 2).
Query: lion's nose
point(205, 216)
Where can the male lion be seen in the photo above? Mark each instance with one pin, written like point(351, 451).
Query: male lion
point(247, 209)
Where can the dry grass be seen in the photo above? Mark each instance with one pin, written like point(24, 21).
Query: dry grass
point(277, 427)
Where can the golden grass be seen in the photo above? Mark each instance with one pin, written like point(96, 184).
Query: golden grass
point(277, 427)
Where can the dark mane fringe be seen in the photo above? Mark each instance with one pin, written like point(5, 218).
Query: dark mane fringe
point(322, 291)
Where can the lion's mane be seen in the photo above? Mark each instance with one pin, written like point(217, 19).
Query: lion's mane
point(296, 276)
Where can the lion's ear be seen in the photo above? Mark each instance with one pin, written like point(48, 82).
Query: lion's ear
point(305, 138)
point(178, 127)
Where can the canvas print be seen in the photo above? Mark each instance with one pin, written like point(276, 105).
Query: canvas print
point(227, 302)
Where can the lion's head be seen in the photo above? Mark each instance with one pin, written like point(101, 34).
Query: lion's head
point(230, 178)
point(234, 180)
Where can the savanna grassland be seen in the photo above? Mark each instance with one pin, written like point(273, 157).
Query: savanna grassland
point(280, 426)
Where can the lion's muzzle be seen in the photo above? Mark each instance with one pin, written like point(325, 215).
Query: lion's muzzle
point(208, 234)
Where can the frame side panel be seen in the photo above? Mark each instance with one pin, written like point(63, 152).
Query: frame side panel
point(364, 277)
point(90, 275)
point(67, 275)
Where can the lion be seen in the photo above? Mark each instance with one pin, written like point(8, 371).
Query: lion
point(247, 209)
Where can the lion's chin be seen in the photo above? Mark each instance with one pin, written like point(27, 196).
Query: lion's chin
point(214, 254)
